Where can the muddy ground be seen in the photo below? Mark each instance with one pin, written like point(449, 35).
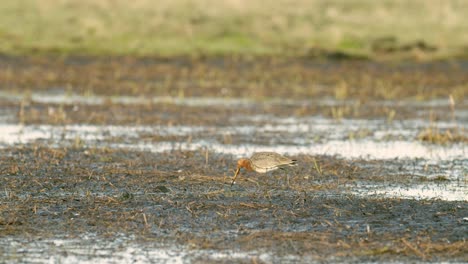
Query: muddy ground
point(234, 76)
point(179, 197)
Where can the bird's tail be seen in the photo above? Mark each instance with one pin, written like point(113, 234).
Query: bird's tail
point(290, 164)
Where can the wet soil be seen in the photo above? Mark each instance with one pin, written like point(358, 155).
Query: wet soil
point(68, 186)
point(233, 76)
point(31, 112)
point(182, 196)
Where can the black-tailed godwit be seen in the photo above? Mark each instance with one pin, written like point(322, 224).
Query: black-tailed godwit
point(263, 162)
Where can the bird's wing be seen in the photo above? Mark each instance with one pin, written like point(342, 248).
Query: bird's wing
point(269, 160)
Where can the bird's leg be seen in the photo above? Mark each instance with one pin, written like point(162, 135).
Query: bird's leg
point(235, 176)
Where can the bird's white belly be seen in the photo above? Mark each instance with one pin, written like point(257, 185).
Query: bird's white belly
point(265, 170)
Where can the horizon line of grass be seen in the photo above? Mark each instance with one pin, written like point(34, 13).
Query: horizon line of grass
point(356, 29)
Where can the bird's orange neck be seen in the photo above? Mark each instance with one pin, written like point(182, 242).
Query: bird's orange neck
point(245, 163)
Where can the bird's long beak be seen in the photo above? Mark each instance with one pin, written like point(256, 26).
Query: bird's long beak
point(235, 176)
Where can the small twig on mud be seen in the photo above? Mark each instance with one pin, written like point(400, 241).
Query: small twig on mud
point(213, 193)
point(188, 207)
point(317, 167)
point(327, 222)
point(336, 208)
point(343, 244)
point(414, 249)
point(38, 183)
point(249, 205)
point(145, 220)
point(250, 180)
point(111, 200)
point(452, 108)
point(254, 206)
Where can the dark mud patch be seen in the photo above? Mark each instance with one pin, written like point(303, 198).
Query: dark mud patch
point(260, 77)
point(185, 197)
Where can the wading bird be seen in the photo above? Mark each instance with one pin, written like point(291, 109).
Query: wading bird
point(263, 162)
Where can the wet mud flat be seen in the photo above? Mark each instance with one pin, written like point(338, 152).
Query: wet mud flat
point(227, 77)
point(130, 159)
point(177, 198)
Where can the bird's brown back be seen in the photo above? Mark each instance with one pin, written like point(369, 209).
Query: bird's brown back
point(270, 159)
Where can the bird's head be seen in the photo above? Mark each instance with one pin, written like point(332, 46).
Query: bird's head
point(242, 163)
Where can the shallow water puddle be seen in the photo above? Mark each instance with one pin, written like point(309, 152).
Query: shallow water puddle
point(90, 249)
point(452, 191)
point(68, 98)
point(13, 134)
point(90, 135)
point(345, 149)
point(63, 97)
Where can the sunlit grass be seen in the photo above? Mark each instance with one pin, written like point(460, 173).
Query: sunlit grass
point(439, 136)
point(145, 27)
point(434, 135)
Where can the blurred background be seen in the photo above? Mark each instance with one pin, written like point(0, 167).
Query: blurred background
point(363, 28)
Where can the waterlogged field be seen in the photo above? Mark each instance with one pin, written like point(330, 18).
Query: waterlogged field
point(130, 160)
